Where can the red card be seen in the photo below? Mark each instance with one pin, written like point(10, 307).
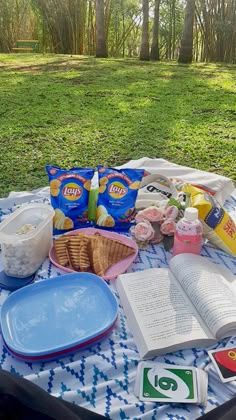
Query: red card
point(227, 358)
point(225, 363)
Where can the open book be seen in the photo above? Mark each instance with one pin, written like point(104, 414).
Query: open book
point(190, 304)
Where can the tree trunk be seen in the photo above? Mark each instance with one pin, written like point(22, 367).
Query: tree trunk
point(90, 29)
point(81, 26)
point(123, 29)
point(174, 28)
point(220, 31)
point(144, 51)
point(155, 53)
point(101, 48)
point(169, 48)
point(186, 48)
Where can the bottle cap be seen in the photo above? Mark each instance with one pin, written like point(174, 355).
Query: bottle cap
point(191, 213)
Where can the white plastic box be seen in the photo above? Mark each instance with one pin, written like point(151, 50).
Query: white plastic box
point(22, 254)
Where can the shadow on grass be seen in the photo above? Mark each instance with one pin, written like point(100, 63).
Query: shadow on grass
point(110, 111)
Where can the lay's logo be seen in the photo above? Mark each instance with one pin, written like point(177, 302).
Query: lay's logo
point(72, 191)
point(117, 190)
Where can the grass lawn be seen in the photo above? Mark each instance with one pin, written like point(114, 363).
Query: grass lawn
point(79, 111)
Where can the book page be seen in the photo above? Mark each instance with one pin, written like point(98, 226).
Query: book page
point(209, 291)
point(158, 309)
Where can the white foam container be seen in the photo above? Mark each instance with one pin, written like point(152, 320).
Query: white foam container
point(23, 254)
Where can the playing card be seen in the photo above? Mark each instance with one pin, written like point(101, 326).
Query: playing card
point(161, 382)
point(225, 363)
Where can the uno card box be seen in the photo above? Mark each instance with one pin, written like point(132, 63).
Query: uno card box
point(160, 382)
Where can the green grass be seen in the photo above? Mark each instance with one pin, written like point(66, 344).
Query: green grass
point(79, 111)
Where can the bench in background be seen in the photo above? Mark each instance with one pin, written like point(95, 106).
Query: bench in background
point(27, 45)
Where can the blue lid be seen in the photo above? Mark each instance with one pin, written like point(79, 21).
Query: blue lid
point(14, 283)
point(57, 314)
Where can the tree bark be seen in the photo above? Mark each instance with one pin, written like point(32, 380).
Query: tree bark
point(155, 53)
point(101, 48)
point(186, 48)
point(174, 28)
point(144, 51)
point(169, 47)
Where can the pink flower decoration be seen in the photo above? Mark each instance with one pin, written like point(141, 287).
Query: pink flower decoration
point(157, 239)
point(168, 227)
point(143, 231)
point(139, 217)
point(172, 212)
point(152, 214)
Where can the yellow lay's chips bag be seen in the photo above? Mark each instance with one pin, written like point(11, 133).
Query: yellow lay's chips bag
point(218, 227)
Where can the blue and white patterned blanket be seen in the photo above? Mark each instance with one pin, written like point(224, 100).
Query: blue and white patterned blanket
point(101, 377)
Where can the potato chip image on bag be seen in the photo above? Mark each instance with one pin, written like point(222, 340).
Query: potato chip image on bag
point(118, 190)
point(69, 190)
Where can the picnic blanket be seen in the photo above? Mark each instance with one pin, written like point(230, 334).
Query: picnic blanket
point(101, 377)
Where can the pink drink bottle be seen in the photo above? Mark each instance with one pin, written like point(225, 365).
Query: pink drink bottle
point(188, 234)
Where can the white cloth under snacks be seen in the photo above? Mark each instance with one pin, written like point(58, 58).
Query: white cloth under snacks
point(101, 377)
point(218, 184)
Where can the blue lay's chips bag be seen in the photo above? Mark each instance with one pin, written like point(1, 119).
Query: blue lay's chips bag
point(69, 189)
point(118, 189)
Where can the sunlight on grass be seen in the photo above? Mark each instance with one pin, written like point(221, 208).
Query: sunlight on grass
point(80, 111)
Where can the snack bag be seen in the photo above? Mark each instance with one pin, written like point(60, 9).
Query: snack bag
point(118, 189)
point(218, 227)
point(69, 189)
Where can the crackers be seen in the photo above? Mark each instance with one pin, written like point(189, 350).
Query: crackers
point(61, 250)
point(90, 253)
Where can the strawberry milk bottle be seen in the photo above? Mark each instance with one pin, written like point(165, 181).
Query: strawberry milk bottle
point(188, 234)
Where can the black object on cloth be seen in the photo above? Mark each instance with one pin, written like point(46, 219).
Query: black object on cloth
point(226, 411)
point(21, 399)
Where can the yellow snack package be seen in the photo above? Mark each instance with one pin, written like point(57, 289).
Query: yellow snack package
point(218, 226)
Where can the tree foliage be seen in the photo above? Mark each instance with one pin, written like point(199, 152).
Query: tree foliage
point(17, 20)
point(145, 28)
